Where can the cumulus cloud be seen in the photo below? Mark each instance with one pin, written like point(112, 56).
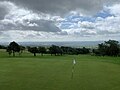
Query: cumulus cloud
point(18, 18)
point(59, 19)
point(99, 26)
point(114, 9)
point(32, 36)
point(41, 25)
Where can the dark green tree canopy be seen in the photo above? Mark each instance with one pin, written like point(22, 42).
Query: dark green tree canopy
point(33, 50)
point(56, 50)
point(110, 48)
point(13, 47)
point(41, 50)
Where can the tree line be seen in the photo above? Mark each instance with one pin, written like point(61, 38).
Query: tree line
point(14, 47)
point(107, 48)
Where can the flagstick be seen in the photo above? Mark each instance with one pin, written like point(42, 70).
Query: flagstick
point(72, 71)
point(73, 68)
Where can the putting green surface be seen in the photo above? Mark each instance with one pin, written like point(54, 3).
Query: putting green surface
point(54, 72)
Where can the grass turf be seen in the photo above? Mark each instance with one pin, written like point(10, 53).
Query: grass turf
point(47, 72)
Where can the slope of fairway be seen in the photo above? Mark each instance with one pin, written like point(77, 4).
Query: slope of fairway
point(54, 73)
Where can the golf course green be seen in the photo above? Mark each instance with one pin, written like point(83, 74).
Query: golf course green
point(47, 72)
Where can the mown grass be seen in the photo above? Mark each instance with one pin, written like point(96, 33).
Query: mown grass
point(27, 72)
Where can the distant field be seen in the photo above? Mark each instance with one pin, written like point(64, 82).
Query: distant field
point(27, 72)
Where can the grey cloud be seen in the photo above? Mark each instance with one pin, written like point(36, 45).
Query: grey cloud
point(7, 26)
point(88, 26)
point(31, 35)
point(1, 33)
point(42, 25)
point(38, 34)
point(107, 32)
point(39, 25)
point(4, 36)
point(84, 33)
point(3, 12)
point(64, 6)
point(15, 23)
point(62, 33)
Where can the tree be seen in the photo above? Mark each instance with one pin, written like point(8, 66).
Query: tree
point(33, 50)
point(110, 48)
point(9, 50)
point(2, 47)
point(85, 50)
point(55, 50)
point(41, 50)
point(102, 49)
point(96, 52)
point(22, 48)
point(13, 47)
point(65, 49)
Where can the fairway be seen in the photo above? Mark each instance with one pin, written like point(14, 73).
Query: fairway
point(54, 72)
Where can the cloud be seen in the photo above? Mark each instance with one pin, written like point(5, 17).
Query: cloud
point(4, 36)
point(2, 13)
point(59, 19)
point(32, 36)
point(114, 9)
point(18, 18)
point(100, 25)
point(86, 25)
point(3, 10)
point(41, 25)
point(64, 6)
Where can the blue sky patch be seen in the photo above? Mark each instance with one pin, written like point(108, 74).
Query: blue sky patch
point(103, 14)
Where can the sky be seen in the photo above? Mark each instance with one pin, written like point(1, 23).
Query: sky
point(59, 20)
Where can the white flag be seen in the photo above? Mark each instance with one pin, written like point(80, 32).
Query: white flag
point(74, 62)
